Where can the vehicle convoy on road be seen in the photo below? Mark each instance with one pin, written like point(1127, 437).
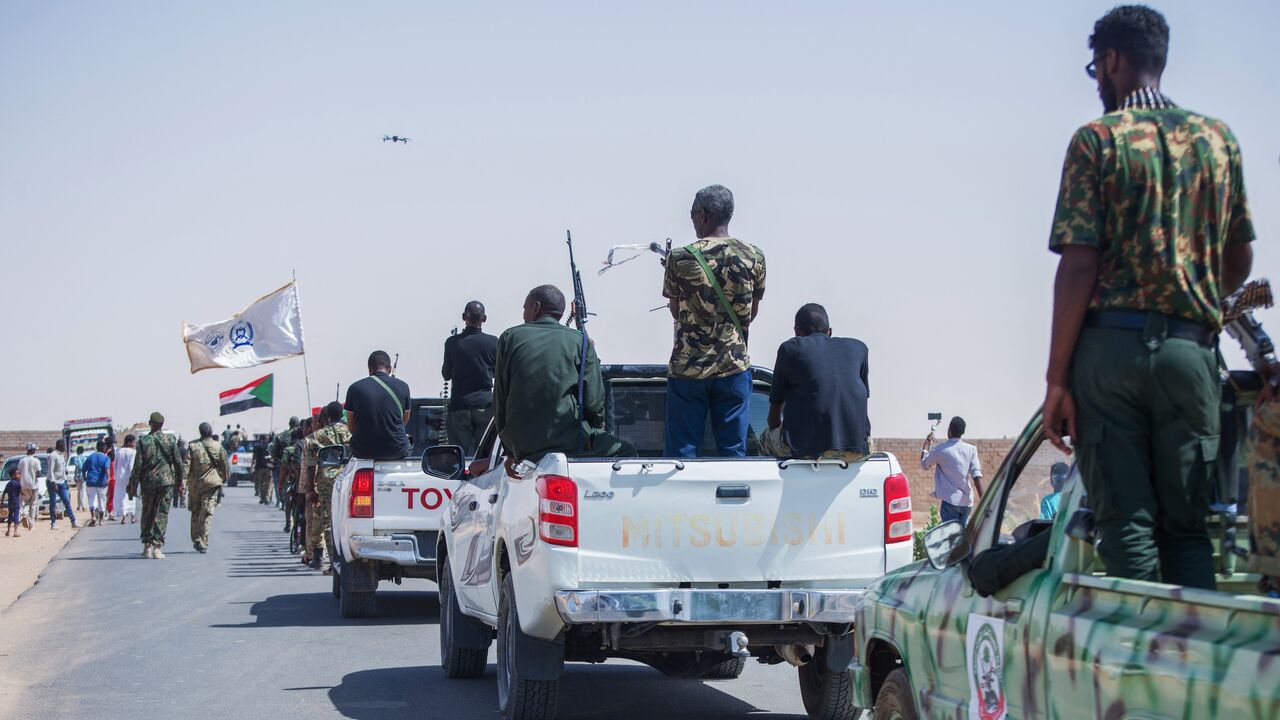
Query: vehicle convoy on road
point(1061, 640)
point(241, 461)
point(386, 520)
point(690, 566)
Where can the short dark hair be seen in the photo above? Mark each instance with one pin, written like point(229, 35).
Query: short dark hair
point(100, 446)
point(79, 448)
point(333, 410)
point(474, 309)
point(205, 429)
point(131, 438)
point(551, 299)
point(957, 427)
point(1135, 31)
point(60, 445)
point(716, 201)
point(378, 360)
point(812, 318)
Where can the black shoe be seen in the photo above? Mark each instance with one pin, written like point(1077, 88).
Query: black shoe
point(201, 549)
point(315, 562)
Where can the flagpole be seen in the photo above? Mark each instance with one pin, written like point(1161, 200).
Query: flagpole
point(306, 375)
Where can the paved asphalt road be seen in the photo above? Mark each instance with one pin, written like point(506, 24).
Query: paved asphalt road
point(247, 632)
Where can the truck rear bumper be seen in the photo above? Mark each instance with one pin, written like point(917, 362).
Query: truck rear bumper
point(400, 549)
point(579, 607)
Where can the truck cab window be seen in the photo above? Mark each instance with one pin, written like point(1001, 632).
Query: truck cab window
point(1031, 495)
point(637, 413)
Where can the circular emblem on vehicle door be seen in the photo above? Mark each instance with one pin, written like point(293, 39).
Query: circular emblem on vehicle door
point(988, 669)
point(214, 341)
point(242, 334)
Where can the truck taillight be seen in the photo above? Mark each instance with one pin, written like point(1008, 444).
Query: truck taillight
point(234, 457)
point(897, 509)
point(558, 510)
point(362, 494)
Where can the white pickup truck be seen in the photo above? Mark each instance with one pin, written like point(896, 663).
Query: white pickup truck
point(689, 566)
point(386, 522)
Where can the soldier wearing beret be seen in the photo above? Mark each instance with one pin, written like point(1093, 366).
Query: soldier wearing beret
point(157, 472)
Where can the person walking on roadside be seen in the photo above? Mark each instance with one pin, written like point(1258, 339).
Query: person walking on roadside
point(206, 474)
point(535, 389)
point(29, 472)
point(97, 476)
point(77, 463)
point(953, 462)
point(818, 400)
point(278, 444)
point(13, 502)
point(261, 469)
point(1153, 229)
point(318, 484)
point(469, 358)
point(124, 508)
point(713, 289)
point(57, 485)
point(157, 474)
point(377, 411)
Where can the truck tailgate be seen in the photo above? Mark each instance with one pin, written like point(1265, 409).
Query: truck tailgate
point(731, 521)
point(406, 499)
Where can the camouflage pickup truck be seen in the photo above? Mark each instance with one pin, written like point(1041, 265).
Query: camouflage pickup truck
point(1062, 640)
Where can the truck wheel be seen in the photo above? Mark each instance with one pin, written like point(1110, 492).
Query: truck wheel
point(337, 583)
point(827, 695)
point(354, 603)
point(518, 698)
point(728, 669)
point(455, 661)
point(896, 701)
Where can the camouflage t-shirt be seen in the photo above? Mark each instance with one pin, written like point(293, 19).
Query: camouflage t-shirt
point(707, 345)
point(1159, 193)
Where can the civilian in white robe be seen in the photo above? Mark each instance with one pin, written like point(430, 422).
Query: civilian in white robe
point(121, 505)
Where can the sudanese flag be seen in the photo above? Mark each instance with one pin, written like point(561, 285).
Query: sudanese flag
point(254, 395)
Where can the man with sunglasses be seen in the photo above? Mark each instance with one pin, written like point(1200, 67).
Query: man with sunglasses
point(1153, 231)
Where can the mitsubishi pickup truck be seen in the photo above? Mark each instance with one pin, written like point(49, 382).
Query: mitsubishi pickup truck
point(691, 566)
point(386, 522)
point(1061, 640)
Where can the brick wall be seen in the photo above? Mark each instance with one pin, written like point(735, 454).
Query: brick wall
point(990, 453)
point(14, 442)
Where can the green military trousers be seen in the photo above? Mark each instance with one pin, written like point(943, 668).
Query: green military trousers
point(1148, 426)
point(202, 503)
point(155, 513)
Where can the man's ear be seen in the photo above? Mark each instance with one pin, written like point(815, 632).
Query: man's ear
point(1112, 60)
point(828, 332)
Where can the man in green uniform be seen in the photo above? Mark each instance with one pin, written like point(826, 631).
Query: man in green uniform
point(535, 388)
point(157, 473)
point(206, 474)
point(278, 444)
point(318, 483)
point(1154, 231)
point(713, 289)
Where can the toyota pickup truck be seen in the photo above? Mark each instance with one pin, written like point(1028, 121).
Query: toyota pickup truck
point(1061, 640)
point(690, 566)
point(386, 522)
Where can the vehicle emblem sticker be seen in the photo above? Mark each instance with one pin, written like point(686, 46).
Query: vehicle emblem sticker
point(984, 653)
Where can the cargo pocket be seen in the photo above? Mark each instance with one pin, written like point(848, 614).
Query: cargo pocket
point(1207, 475)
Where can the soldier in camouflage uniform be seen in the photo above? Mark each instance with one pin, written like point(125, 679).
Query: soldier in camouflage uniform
point(318, 483)
point(300, 494)
point(206, 474)
point(278, 444)
point(713, 288)
point(289, 472)
point(1154, 230)
point(157, 473)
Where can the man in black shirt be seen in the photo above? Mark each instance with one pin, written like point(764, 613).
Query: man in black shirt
point(377, 410)
point(468, 362)
point(818, 403)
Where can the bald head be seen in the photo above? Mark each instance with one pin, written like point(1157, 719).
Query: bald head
point(473, 314)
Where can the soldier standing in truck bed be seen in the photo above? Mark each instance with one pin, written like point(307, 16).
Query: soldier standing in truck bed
point(1153, 230)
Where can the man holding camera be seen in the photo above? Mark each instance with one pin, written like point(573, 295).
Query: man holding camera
point(953, 463)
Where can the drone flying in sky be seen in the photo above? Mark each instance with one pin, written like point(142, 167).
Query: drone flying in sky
point(395, 139)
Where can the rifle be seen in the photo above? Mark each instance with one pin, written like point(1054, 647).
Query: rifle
point(394, 363)
point(442, 432)
point(579, 317)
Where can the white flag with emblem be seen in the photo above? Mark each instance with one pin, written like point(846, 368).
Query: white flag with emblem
point(268, 330)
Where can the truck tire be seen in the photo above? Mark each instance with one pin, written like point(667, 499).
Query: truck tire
point(456, 662)
point(354, 603)
point(727, 669)
point(827, 695)
point(337, 582)
point(896, 701)
point(518, 698)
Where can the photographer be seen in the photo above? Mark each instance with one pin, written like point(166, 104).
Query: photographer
point(953, 463)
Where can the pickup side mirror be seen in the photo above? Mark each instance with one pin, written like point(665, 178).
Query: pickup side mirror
point(332, 456)
point(946, 545)
point(444, 461)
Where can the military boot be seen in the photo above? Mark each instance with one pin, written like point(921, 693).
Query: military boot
point(156, 554)
point(146, 551)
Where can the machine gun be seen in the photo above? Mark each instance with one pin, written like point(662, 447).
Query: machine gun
point(1238, 321)
point(442, 432)
point(579, 318)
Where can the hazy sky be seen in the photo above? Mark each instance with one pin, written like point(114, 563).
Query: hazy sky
point(164, 162)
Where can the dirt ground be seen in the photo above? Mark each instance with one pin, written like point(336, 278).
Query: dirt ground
point(23, 558)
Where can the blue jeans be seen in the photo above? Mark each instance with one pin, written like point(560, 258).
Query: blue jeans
point(954, 512)
point(688, 403)
point(58, 491)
